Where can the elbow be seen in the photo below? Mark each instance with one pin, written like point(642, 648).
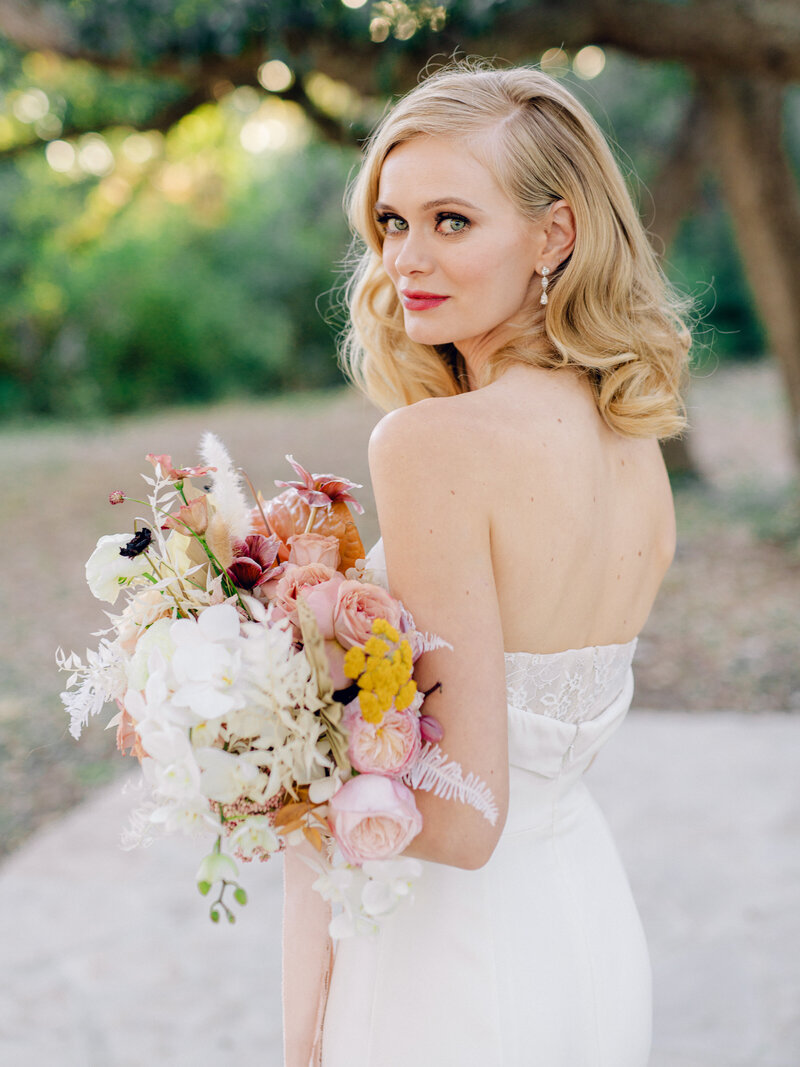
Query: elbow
point(475, 852)
point(477, 858)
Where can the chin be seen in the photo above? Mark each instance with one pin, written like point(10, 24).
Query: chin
point(427, 333)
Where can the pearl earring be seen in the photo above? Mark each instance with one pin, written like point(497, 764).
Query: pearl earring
point(545, 280)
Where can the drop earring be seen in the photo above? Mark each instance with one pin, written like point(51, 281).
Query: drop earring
point(545, 281)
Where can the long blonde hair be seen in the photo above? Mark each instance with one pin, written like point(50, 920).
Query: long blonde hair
point(610, 310)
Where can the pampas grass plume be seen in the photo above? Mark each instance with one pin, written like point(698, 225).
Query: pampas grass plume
point(230, 502)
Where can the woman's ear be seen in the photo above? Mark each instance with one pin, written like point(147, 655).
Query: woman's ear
point(559, 231)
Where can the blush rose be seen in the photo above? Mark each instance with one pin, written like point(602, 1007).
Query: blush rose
point(388, 747)
point(373, 817)
point(297, 580)
point(358, 605)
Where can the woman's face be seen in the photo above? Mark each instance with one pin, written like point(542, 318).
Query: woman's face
point(460, 254)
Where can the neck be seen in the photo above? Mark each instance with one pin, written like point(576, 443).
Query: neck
point(478, 351)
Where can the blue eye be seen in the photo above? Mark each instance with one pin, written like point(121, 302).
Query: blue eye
point(451, 224)
point(392, 224)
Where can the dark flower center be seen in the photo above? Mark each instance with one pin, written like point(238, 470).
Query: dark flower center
point(137, 544)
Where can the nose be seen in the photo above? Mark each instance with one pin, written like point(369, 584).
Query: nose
point(413, 256)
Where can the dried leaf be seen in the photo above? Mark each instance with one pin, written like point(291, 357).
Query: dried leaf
point(313, 835)
point(296, 825)
point(290, 812)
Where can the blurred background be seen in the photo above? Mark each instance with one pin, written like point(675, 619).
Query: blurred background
point(171, 245)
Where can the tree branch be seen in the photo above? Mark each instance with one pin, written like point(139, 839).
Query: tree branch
point(757, 37)
point(760, 37)
point(163, 120)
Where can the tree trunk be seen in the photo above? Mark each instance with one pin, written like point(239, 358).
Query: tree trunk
point(762, 195)
point(673, 193)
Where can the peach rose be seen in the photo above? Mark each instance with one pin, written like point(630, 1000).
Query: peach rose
point(358, 604)
point(313, 548)
point(385, 748)
point(296, 580)
point(373, 817)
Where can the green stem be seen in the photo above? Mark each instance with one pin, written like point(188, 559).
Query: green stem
point(227, 583)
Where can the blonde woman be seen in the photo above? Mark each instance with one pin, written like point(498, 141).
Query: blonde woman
point(509, 313)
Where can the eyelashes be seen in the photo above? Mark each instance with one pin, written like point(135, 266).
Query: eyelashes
point(391, 223)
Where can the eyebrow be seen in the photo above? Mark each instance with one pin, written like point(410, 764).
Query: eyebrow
point(435, 203)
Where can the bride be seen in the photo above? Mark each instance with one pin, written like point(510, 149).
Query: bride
point(510, 314)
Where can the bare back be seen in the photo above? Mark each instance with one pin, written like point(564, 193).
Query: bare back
point(581, 519)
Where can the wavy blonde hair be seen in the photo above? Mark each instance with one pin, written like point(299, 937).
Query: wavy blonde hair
point(610, 310)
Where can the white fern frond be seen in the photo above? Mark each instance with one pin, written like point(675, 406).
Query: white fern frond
point(230, 500)
point(432, 771)
point(430, 642)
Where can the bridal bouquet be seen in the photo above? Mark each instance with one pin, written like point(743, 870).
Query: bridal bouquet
point(264, 680)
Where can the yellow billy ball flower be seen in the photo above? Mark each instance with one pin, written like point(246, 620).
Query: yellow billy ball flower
point(406, 653)
point(406, 695)
point(401, 677)
point(381, 626)
point(370, 709)
point(354, 662)
point(374, 646)
point(384, 675)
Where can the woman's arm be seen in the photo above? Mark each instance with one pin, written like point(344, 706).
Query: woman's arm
point(431, 490)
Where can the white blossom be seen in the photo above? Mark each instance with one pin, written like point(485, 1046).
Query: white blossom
point(107, 571)
point(255, 833)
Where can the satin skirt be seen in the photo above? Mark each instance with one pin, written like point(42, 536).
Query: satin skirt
point(537, 958)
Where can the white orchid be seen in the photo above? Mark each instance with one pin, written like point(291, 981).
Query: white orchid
point(225, 777)
point(255, 835)
point(215, 867)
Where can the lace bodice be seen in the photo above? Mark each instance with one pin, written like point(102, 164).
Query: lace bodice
point(571, 686)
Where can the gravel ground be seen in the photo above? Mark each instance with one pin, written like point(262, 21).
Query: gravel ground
point(724, 633)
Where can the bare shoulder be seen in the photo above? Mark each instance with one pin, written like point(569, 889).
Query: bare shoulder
point(432, 439)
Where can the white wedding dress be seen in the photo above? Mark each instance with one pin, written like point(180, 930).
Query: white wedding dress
point(537, 959)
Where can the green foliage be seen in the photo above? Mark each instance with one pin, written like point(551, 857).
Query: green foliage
point(705, 262)
point(167, 309)
point(155, 29)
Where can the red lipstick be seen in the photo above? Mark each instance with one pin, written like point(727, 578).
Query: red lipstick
point(417, 300)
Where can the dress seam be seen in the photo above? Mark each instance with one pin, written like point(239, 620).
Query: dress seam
point(568, 882)
point(490, 921)
point(381, 936)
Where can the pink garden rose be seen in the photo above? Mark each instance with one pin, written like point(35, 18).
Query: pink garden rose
point(297, 581)
point(373, 818)
point(358, 604)
point(336, 654)
point(313, 548)
point(322, 599)
point(389, 747)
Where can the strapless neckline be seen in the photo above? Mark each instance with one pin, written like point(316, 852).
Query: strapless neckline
point(612, 647)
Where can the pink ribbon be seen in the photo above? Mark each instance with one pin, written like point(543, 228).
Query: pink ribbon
point(307, 960)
